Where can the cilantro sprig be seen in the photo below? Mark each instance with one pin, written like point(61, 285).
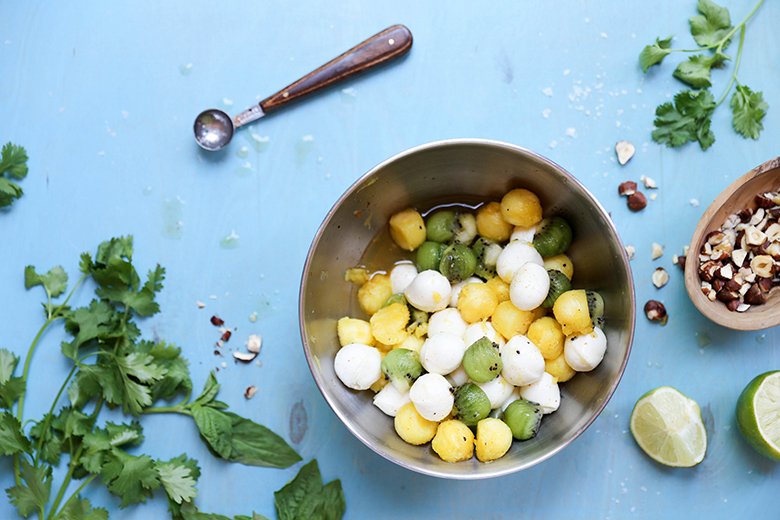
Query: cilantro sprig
point(114, 367)
point(689, 117)
point(13, 164)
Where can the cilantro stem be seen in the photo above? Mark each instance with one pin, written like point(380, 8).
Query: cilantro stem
point(736, 67)
point(72, 465)
point(179, 408)
point(74, 495)
point(47, 419)
point(20, 407)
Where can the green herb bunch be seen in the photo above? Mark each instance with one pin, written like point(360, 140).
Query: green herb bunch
point(13, 164)
point(690, 116)
point(113, 367)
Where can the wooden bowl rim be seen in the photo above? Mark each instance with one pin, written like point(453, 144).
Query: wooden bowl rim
point(717, 311)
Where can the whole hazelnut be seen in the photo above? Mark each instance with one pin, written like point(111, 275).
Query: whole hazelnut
point(655, 310)
point(636, 201)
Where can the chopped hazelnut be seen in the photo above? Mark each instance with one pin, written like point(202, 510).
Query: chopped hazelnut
point(660, 277)
point(658, 251)
point(627, 188)
point(754, 295)
point(630, 250)
point(762, 201)
point(625, 151)
point(250, 391)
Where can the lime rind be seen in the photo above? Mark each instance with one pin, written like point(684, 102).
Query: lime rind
point(668, 427)
point(758, 414)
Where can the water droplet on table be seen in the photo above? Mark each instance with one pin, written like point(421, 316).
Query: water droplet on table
point(244, 169)
point(261, 143)
point(172, 214)
point(703, 339)
point(303, 147)
point(349, 95)
point(185, 69)
point(243, 152)
point(230, 241)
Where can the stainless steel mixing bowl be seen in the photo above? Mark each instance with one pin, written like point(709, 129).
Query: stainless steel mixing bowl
point(452, 171)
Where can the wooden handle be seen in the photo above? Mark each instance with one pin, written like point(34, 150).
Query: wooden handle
point(384, 46)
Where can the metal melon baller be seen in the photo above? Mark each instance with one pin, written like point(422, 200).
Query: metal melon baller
point(214, 128)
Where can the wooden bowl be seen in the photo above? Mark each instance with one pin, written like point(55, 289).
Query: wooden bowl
point(739, 195)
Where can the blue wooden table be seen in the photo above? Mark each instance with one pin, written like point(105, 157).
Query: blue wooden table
point(103, 96)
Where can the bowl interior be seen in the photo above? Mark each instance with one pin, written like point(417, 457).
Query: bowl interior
point(737, 196)
point(452, 171)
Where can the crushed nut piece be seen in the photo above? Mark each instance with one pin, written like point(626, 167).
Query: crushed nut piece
point(655, 310)
point(627, 188)
point(653, 196)
point(250, 391)
point(658, 251)
point(649, 183)
point(625, 151)
point(253, 343)
point(660, 277)
point(630, 250)
point(200, 304)
point(244, 356)
point(217, 322)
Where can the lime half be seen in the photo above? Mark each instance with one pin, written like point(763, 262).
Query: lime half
point(758, 414)
point(668, 427)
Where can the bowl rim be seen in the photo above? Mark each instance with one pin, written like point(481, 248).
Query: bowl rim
point(716, 311)
point(356, 187)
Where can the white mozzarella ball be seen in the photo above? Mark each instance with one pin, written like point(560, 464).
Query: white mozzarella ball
point(432, 396)
point(584, 352)
point(545, 392)
point(358, 366)
point(529, 286)
point(523, 234)
point(456, 287)
point(442, 353)
point(514, 256)
point(498, 391)
point(512, 398)
point(482, 329)
point(429, 291)
point(390, 400)
point(401, 276)
point(447, 320)
point(458, 376)
point(523, 361)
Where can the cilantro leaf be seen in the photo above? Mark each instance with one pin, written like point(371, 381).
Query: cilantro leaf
point(51, 446)
point(141, 366)
point(179, 477)
point(81, 509)
point(13, 161)
point(712, 25)
point(748, 109)
point(688, 119)
point(10, 387)
point(12, 439)
point(54, 282)
point(696, 70)
point(33, 495)
point(130, 477)
point(177, 375)
point(655, 53)
point(98, 321)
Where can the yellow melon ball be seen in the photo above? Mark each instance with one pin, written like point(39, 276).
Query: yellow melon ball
point(388, 324)
point(500, 287)
point(571, 311)
point(510, 321)
point(412, 427)
point(491, 224)
point(521, 207)
point(559, 369)
point(494, 438)
point(476, 302)
point(412, 342)
point(407, 229)
point(375, 293)
point(560, 263)
point(454, 441)
point(546, 334)
point(353, 330)
point(356, 275)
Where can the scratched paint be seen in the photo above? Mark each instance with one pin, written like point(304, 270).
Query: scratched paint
point(299, 423)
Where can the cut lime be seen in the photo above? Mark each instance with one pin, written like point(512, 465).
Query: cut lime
point(668, 427)
point(758, 414)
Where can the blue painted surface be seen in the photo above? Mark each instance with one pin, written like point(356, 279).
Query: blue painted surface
point(103, 97)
